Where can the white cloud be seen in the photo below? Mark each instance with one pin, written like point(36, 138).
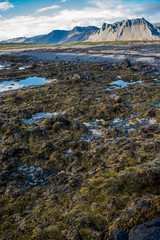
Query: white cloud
point(48, 8)
point(5, 6)
point(63, 0)
point(95, 15)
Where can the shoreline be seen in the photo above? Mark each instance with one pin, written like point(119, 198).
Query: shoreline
point(139, 53)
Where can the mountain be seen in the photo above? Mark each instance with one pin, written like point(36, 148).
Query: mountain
point(156, 24)
point(15, 40)
point(55, 36)
point(77, 34)
point(136, 29)
point(80, 34)
point(24, 39)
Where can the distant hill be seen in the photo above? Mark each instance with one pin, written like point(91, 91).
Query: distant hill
point(156, 24)
point(77, 34)
point(136, 29)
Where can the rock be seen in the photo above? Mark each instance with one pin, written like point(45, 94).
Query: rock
point(63, 120)
point(48, 123)
point(115, 97)
point(58, 127)
point(76, 236)
point(146, 231)
point(120, 236)
point(78, 126)
point(58, 123)
point(136, 68)
point(94, 205)
point(88, 77)
point(76, 76)
point(1, 122)
point(13, 152)
point(125, 64)
point(115, 66)
point(112, 201)
point(61, 123)
point(76, 181)
point(38, 132)
point(151, 113)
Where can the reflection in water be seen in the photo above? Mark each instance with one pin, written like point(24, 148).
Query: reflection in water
point(39, 117)
point(120, 84)
point(31, 81)
point(24, 67)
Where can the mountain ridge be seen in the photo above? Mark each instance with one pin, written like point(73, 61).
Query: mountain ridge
point(59, 36)
point(134, 29)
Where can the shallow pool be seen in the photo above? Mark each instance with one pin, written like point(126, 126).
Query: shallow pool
point(31, 81)
point(120, 84)
point(39, 117)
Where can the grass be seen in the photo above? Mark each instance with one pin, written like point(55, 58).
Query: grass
point(98, 182)
point(9, 46)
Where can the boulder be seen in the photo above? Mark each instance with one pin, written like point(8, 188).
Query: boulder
point(146, 231)
point(151, 113)
point(120, 236)
point(76, 76)
point(76, 236)
point(125, 64)
point(78, 126)
point(63, 120)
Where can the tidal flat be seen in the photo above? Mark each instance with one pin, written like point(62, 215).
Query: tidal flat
point(80, 153)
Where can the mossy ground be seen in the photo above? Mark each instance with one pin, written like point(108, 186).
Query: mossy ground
point(107, 183)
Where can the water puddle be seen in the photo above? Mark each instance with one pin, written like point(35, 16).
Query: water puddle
point(119, 77)
point(93, 127)
point(31, 81)
point(144, 121)
point(95, 124)
point(4, 65)
point(96, 132)
point(69, 151)
point(123, 124)
point(87, 138)
point(39, 117)
point(24, 67)
point(120, 84)
point(155, 104)
point(157, 81)
point(126, 125)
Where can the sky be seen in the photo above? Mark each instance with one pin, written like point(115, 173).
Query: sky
point(35, 17)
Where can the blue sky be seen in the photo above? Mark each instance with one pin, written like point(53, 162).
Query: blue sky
point(34, 17)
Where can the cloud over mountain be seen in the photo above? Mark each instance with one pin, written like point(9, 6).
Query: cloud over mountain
point(135, 29)
point(5, 6)
point(91, 13)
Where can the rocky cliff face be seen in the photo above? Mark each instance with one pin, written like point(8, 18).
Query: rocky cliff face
point(136, 29)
